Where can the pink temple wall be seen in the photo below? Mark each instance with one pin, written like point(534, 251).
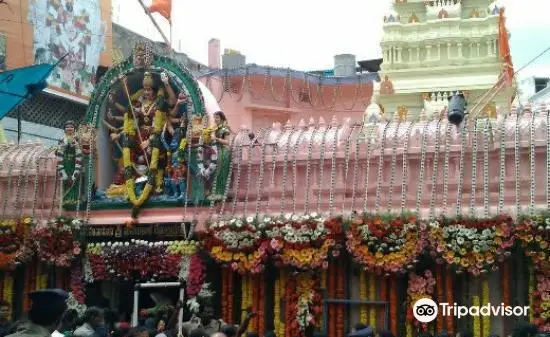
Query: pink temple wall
point(278, 197)
point(257, 101)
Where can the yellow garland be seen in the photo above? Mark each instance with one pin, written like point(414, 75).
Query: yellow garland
point(277, 307)
point(372, 297)
point(363, 316)
point(282, 292)
point(531, 290)
point(477, 320)
point(130, 130)
point(409, 328)
point(7, 294)
point(41, 278)
point(486, 320)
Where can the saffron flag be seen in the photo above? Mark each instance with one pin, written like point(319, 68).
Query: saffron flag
point(17, 85)
point(504, 48)
point(163, 7)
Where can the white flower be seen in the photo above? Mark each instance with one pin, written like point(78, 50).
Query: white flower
point(250, 219)
point(288, 216)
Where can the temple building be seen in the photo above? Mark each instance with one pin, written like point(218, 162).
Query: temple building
point(434, 48)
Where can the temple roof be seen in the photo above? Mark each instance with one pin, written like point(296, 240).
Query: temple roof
point(254, 69)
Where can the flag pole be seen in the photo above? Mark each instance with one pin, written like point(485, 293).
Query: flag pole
point(155, 22)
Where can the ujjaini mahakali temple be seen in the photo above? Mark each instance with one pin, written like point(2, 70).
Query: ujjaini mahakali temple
point(314, 219)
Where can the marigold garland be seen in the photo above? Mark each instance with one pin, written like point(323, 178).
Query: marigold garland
point(474, 245)
point(332, 294)
point(533, 232)
point(277, 307)
point(385, 244)
point(477, 319)
point(363, 313)
point(261, 306)
point(372, 297)
point(7, 291)
point(485, 320)
point(239, 243)
point(305, 242)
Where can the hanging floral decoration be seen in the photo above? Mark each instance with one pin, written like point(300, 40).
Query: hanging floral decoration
point(385, 244)
point(197, 275)
point(472, 245)
point(12, 237)
point(533, 234)
point(137, 259)
point(305, 242)
point(238, 243)
point(77, 283)
point(541, 303)
point(304, 303)
point(57, 243)
point(420, 286)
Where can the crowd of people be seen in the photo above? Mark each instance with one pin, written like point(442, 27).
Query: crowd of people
point(49, 316)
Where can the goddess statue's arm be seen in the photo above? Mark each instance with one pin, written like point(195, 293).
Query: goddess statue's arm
point(171, 94)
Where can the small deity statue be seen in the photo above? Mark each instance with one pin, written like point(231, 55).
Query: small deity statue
point(222, 132)
point(176, 180)
point(69, 163)
point(386, 87)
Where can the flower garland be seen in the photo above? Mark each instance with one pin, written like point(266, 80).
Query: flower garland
point(393, 306)
point(341, 293)
point(485, 320)
point(197, 275)
point(226, 273)
point(129, 132)
point(77, 283)
point(304, 305)
point(55, 244)
point(239, 243)
point(372, 297)
point(305, 242)
point(280, 285)
point(450, 299)
point(533, 232)
point(419, 286)
point(474, 245)
point(12, 236)
point(363, 311)
point(261, 306)
point(7, 290)
point(439, 299)
point(385, 244)
point(138, 259)
point(477, 319)
point(541, 303)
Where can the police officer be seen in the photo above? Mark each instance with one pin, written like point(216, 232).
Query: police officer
point(47, 308)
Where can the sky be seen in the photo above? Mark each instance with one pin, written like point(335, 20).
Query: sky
point(306, 34)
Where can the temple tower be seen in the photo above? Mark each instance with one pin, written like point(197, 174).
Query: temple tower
point(434, 48)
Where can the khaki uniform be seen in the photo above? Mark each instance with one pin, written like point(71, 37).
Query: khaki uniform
point(29, 329)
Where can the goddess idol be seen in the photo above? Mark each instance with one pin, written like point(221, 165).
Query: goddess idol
point(143, 122)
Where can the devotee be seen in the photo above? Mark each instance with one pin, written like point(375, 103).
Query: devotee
point(67, 325)
point(94, 324)
point(219, 334)
point(270, 334)
point(45, 313)
point(139, 332)
point(5, 322)
point(383, 333)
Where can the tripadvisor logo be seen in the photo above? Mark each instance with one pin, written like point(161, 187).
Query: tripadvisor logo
point(425, 310)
